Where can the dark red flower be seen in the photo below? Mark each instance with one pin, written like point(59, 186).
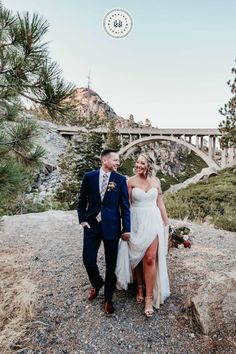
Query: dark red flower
point(187, 244)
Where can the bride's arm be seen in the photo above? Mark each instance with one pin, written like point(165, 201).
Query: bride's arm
point(129, 190)
point(161, 205)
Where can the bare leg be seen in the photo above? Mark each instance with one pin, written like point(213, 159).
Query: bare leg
point(139, 277)
point(149, 269)
point(139, 273)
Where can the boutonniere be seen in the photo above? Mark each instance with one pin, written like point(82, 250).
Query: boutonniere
point(111, 186)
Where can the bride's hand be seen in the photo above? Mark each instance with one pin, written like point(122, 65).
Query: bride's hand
point(125, 236)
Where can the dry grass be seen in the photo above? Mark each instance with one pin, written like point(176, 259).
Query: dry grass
point(17, 299)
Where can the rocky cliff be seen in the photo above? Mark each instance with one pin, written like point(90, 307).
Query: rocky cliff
point(88, 103)
point(86, 99)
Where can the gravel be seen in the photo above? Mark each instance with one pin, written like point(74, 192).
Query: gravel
point(48, 248)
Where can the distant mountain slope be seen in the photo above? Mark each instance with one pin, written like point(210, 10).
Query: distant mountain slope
point(85, 98)
point(212, 200)
point(89, 102)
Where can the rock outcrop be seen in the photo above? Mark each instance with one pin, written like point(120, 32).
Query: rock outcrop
point(214, 306)
point(88, 100)
point(207, 278)
point(85, 98)
point(48, 178)
point(52, 142)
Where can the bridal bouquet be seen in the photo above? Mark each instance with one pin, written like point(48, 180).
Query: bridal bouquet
point(180, 235)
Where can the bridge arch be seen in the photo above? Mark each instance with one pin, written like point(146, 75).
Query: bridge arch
point(131, 147)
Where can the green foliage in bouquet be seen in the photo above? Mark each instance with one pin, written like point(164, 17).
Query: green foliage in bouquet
point(180, 234)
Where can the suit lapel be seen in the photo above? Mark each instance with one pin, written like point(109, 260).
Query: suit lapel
point(112, 178)
point(97, 182)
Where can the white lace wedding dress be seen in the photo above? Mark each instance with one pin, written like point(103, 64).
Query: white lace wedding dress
point(146, 225)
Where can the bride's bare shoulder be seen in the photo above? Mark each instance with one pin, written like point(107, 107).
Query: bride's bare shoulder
point(131, 180)
point(156, 182)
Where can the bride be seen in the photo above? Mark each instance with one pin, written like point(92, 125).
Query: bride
point(144, 253)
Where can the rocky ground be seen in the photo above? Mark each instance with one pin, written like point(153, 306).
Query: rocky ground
point(43, 290)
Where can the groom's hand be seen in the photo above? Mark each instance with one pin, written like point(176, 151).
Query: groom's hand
point(125, 236)
point(84, 224)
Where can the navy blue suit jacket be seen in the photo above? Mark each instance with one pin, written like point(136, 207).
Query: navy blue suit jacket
point(114, 208)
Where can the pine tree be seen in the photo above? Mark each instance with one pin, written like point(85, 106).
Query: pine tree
point(71, 166)
point(112, 136)
point(228, 126)
point(26, 73)
point(82, 155)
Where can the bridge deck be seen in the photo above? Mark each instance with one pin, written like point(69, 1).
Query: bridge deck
point(65, 130)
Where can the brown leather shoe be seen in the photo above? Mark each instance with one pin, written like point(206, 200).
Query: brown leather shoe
point(108, 308)
point(93, 293)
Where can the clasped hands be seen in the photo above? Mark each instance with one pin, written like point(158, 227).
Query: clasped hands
point(125, 236)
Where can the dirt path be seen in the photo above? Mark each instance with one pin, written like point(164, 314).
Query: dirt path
point(43, 290)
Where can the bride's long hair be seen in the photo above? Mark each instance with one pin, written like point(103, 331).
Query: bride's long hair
point(150, 165)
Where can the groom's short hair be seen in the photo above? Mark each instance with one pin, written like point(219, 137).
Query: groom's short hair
point(106, 152)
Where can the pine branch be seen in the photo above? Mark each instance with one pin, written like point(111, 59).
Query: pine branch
point(26, 71)
point(32, 159)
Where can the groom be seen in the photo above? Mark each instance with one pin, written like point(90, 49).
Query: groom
point(103, 203)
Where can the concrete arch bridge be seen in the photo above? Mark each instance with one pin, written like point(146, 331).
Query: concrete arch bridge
point(204, 142)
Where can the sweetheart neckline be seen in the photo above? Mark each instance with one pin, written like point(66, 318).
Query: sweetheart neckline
point(144, 190)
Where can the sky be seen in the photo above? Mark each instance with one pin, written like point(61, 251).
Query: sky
point(172, 68)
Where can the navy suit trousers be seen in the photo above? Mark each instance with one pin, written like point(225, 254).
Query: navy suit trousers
point(92, 242)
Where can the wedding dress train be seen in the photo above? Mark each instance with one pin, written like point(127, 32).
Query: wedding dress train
point(146, 225)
